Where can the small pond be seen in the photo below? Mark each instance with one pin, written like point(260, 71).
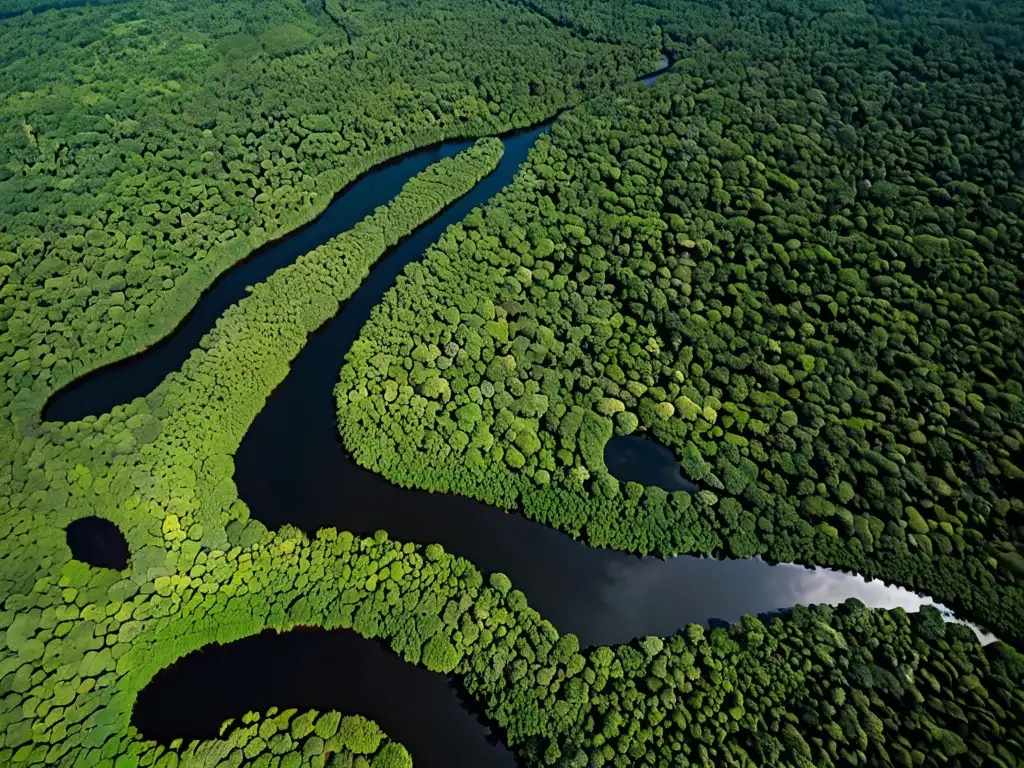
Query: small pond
point(631, 458)
point(98, 542)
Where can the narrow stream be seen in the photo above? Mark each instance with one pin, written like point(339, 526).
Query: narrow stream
point(121, 382)
point(604, 597)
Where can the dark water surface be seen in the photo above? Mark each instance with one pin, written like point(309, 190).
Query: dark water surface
point(642, 460)
point(98, 542)
point(323, 670)
point(137, 376)
point(604, 597)
point(122, 381)
point(650, 77)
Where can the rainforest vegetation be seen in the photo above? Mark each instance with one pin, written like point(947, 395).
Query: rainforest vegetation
point(794, 261)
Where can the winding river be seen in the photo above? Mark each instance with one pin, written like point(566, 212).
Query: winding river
point(292, 468)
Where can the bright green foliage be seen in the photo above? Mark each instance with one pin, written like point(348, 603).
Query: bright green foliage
point(360, 735)
point(193, 547)
point(439, 655)
point(256, 738)
point(392, 755)
point(145, 147)
point(500, 582)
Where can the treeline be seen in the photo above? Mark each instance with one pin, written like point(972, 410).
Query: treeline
point(207, 406)
point(801, 278)
point(289, 739)
point(818, 686)
point(717, 258)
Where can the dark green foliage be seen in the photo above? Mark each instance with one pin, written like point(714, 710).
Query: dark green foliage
point(800, 279)
point(171, 493)
point(818, 686)
point(147, 147)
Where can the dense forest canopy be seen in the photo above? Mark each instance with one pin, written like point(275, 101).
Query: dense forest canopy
point(794, 260)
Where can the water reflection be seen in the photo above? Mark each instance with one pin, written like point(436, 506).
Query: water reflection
point(832, 588)
point(651, 597)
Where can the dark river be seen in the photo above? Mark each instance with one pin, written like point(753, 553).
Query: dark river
point(291, 468)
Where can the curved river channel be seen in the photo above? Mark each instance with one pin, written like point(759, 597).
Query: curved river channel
point(292, 468)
